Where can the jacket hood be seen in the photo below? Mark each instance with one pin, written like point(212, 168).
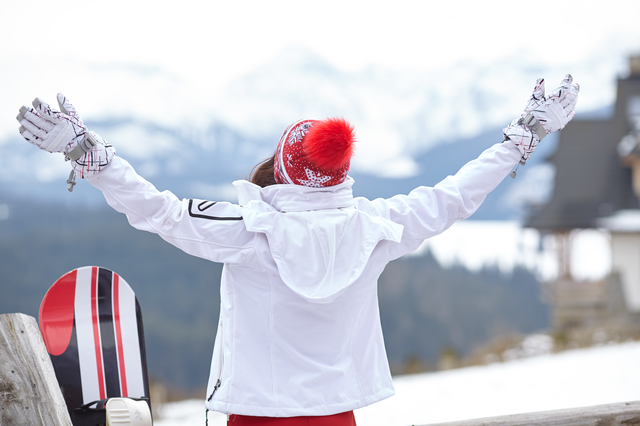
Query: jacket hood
point(292, 198)
point(320, 242)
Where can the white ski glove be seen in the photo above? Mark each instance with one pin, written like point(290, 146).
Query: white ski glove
point(63, 131)
point(543, 115)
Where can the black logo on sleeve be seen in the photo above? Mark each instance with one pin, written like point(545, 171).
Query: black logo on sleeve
point(213, 210)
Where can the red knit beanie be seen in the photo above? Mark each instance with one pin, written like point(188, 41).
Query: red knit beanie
point(315, 153)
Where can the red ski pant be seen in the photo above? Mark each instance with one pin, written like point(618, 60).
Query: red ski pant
point(342, 419)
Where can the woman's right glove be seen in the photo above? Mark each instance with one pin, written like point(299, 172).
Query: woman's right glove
point(542, 116)
point(63, 131)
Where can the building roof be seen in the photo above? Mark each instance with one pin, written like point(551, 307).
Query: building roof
point(591, 180)
point(624, 221)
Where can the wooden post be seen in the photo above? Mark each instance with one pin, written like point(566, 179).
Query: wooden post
point(624, 413)
point(29, 391)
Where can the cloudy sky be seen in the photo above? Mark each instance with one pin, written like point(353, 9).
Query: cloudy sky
point(195, 48)
point(215, 40)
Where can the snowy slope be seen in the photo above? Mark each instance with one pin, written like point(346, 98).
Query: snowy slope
point(398, 114)
point(413, 128)
point(577, 378)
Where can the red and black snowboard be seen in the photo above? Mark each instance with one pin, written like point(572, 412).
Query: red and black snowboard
point(91, 324)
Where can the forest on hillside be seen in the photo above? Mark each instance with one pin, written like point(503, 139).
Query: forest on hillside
point(425, 308)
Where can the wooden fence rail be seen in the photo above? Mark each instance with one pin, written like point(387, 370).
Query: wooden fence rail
point(29, 391)
point(619, 414)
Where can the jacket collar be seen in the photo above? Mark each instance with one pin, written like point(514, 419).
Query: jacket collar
point(295, 198)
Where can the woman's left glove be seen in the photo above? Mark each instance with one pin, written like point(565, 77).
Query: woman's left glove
point(63, 131)
point(543, 115)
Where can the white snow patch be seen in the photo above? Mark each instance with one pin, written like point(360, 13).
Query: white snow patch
point(476, 244)
point(578, 378)
point(622, 221)
point(533, 345)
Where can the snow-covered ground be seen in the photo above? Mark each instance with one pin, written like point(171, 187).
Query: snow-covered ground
point(576, 378)
point(475, 244)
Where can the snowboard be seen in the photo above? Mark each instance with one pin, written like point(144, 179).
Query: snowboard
point(91, 325)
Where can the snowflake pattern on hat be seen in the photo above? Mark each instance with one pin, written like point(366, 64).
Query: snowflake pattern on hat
point(298, 132)
point(315, 179)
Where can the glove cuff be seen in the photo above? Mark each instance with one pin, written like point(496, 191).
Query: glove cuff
point(523, 137)
point(82, 148)
point(94, 160)
point(534, 125)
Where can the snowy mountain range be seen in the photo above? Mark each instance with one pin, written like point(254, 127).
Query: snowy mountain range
point(413, 128)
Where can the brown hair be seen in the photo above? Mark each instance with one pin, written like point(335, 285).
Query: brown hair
point(262, 174)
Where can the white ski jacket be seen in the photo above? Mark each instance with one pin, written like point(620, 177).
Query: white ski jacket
point(299, 330)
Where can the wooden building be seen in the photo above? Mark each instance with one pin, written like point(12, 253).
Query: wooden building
point(597, 164)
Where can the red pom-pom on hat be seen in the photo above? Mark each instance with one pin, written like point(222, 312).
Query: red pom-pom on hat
point(329, 144)
point(315, 153)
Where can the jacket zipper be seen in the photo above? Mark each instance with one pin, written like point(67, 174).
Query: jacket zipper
point(220, 364)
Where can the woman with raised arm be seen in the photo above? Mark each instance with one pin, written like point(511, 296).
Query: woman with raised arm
point(299, 340)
